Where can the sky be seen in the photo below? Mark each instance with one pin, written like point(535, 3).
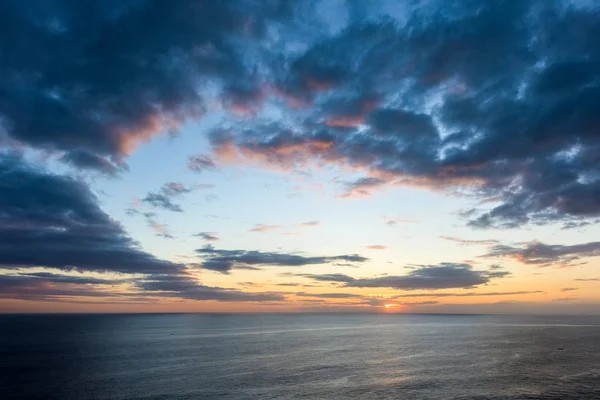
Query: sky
point(311, 156)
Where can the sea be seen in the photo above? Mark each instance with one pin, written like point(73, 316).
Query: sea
point(299, 356)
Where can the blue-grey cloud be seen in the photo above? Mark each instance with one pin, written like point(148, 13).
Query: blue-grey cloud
point(101, 76)
point(420, 102)
point(164, 197)
point(82, 159)
point(54, 221)
point(185, 287)
point(542, 254)
point(522, 136)
point(471, 294)
point(200, 162)
point(208, 236)
point(433, 277)
point(225, 260)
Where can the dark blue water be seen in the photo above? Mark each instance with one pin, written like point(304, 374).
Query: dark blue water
point(199, 356)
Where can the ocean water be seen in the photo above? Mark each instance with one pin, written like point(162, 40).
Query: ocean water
point(306, 356)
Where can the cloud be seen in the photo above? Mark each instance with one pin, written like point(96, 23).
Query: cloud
point(208, 236)
point(330, 295)
point(96, 78)
point(60, 278)
point(566, 299)
point(309, 224)
point(295, 284)
point(163, 198)
point(67, 230)
point(389, 303)
point(267, 228)
point(55, 287)
point(395, 221)
point(588, 279)
point(471, 294)
point(225, 260)
point(420, 103)
point(446, 115)
point(187, 288)
point(542, 254)
point(487, 242)
point(433, 277)
point(362, 187)
point(376, 247)
point(82, 159)
point(200, 163)
point(161, 230)
point(568, 289)
point(328, 277)
point(264, 228)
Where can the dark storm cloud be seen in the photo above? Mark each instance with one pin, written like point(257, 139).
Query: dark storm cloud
point(163, 198)
point(200, 162)
point(54, 221)
point(102, 76)
point(543, 254)
point(225, 260)
point(434, 277)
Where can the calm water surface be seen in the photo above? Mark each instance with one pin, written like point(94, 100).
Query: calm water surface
point(200, 356)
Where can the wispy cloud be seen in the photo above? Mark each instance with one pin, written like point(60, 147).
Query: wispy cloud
point(464, 242)
point(161, 230)
point(208, 236)
point(264, 228)
point(395, 221)
point(309, 224)
point(163, 198)
point(200, 162)
point(376, 247)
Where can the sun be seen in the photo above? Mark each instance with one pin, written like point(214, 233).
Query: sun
point(389, 305)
